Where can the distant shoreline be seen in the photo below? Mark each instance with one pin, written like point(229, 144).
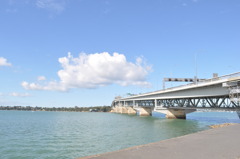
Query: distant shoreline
point(54, 111)
point(58, 109)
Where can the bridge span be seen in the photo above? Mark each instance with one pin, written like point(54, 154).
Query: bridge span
point(216, 93)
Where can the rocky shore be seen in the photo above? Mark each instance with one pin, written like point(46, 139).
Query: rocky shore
point(222, 125)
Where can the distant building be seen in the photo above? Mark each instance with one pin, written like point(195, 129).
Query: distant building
point(93, 110)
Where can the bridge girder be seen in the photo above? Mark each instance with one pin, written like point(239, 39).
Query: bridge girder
point(206, 102)
point(200, 102)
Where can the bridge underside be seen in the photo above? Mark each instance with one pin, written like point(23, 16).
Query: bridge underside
point(222, 102)
point(177, 108)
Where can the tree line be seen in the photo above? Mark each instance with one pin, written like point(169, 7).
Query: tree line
point(67, 109)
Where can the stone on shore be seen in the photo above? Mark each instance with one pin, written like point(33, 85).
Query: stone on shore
point(221, 125)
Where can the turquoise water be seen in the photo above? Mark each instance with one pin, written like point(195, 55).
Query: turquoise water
point(63, 135)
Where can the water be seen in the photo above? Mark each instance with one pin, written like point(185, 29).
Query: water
point(63, 135)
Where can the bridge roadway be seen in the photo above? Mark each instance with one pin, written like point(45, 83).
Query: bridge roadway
point(215, 93)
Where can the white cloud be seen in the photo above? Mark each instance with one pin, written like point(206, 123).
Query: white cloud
point(15, 94)
point(52, 86)
point(94, 70)
point(41, 78)
point(53, 5)
point(3, 62)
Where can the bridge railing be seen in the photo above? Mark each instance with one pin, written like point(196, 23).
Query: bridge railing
point(237, 74)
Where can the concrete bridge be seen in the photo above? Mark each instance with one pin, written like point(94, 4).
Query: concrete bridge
point(216, 93)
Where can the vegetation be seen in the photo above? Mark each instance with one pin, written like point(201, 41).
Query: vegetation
point(67, 109)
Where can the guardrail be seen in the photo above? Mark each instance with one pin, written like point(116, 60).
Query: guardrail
point(237, 74)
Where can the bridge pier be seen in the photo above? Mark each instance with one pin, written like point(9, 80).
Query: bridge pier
point(123, 110)
point(114, 110)
point(131, 111)
point(145, 111)
point(238, 113)
point(174, 113)
point(118, 109)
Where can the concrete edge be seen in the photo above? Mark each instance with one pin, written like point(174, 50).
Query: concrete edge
point(157, 142)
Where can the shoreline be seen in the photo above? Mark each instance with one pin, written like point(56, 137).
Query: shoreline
point(221, 125)
point(54, 111)
point(219, 142)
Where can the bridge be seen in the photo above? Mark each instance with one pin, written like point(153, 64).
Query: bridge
point(217, 93)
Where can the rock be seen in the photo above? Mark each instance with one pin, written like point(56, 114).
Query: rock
point(221, 125)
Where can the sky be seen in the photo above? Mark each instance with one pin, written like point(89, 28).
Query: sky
point(66, 53)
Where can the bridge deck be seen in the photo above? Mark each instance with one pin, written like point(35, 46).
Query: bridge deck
point(206, 83)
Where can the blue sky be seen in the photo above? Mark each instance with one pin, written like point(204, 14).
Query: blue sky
point(56, 53)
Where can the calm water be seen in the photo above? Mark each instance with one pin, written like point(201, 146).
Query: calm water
point(62, 135)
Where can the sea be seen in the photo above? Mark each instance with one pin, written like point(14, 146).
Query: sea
point(70, 135)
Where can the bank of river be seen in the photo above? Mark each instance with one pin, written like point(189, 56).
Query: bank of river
point(221, 143)
point(71, 135)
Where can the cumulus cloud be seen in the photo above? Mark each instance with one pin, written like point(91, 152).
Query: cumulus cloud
point(15, 94)
point(3, 62)
point(95, 70)
point(50, 86)
point(53, 5)
point(41, 78)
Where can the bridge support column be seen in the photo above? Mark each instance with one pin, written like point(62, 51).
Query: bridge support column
point(118, 109)
point(131, 111)
point(114, 110)
point(123, 110)
point(175, 113)
point(144, 111)
point(238, 113)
